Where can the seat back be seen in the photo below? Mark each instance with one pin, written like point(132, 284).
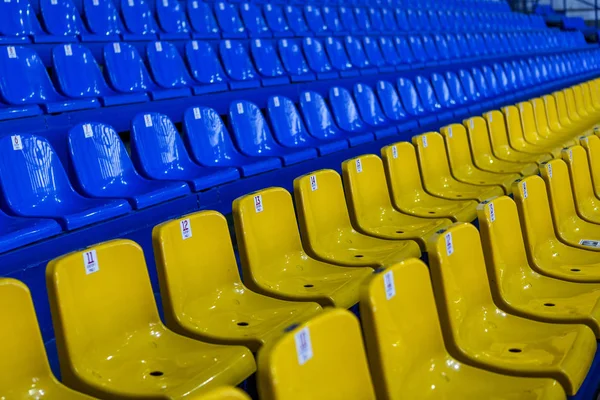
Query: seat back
point(287, 123)
point(468, 84)
point(373, 52)
point(496, 129)
point(229, 19)
point(404, 51)
point(376, 19)
point(368, 105)
point(138, 17)
point(552, 112)
point(592, 146)
point(337, 54)
point(332, 19)
point(236, 60)
point(540, 117)
point(202, 19)
point(296, 20)
point(410, 97)
point(402, 172)
point(266, 58)
point(102, 17)
point(530, 131)
point(362, 19)
point(454, 51)
point(481, 82)
point(126, 70)
point(417, 48)
point(77, 71)
point(194, 258)
point(457, 92)
point(433, 158)
point(25, 25)
point(292, 57)
point(319, 120)
point(171, 16)
point(430, 49)
point(513, 124)
point(314, 19)
point(564, 116)
point(388, 51)
point(61, 17)
point(390, 101)
point(479, 139)
point(130, 306)
point(250, 129)
point(330, 345)
point(442, 91)
point(559, 187)
point(427, 95)
point(275, 19)
point(166, 65)
point(579, 171)
point(315, 55)
point(344, 109)
point(389, 21)
point(253, 20)
point(457, 145)
point(355, 50)
point(204, 63)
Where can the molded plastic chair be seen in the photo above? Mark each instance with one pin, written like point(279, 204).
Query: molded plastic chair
point(118, 347)
point(202, 20)
point(429, 101)
point(411, 360)
point(167, 67)
point(35, 184)
point(254, 138)
point(412, 103)
point(333, 21)
point(362, 20)
point(389, 53)
point(254, 21)
point(317, 59)
point(18, 22)
point(321, 359)
point(61, 19)
point(25, 369)
point(206, 69)
point(436, 174)
point(516, 135)
point(202, 293)
point(477, 331)
point(17, 232)
point(372, 115)
point(268, 63)
point(407, 57)
point(348, 20)
point(446, 98)
point(103, 168)
point(371, 209)
point(296, 21)
point(238, 65)
point(586, 202)
point(294, 62)
point(393, 109)
point(138, 20)
point(210, 144)
point(276, 21)
point(592, 146)
point(339, 58)
point(229, 20)
point(159, 153)
point(357, 55)
point(347, 116)
point(315, 21)
point(328, 232)
point(172, 20)
point(274, 262)
point(520, 290)
point(103, 20)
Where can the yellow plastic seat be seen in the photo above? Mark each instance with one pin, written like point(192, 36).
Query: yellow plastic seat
point(202, 294)
point(570, 227)
point(516, 287)
point(517, 138)
point(322, 359)
point(328, 232)
point(500, 144)
point(406, 348)
point(24, 369)
point(224, 393)
point(593, 88)
point(461, 162)
point(549, 128)
point(576, 113)
point(546, 253)
point(567, 118)
point(592, 146)
point(586, 202)
point(274, 262)
point(559, 123)
point(478, 332)
point(435, 171)
point(370, 206)
point(483, 156)
point(110, 339)
point(532, 134)
point(407, 192)
point(583, 102)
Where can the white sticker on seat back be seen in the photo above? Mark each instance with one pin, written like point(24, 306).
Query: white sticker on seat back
point(258, 203)
point(12, 52)
point(549, 169)
point(165, 3)
point(197, 114)
point(313, 182)
point(449, 245)
point(524, 186)
point(394, 152)
point(117, 47)
point(17, 144)
point(148, 120)
point(358, 165)
point(590, 243)
point(240, 108)
point(90, 262)
point(258, 43)
point(87, 131)
point(424, 141)
point(276, 101)
point(450, 132)
point(303, 346)
point(390, 287)
point(68, 50)
point(307, 97)
point(194, 45)
point(492, 212)
point(186, 228)
point(158, 46)
point(130, 2)
point(194, 4)
point(227, 44)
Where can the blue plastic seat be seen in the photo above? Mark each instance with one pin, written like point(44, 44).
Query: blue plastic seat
point(389, 21)
point(229, 20)
point(405, 53)
point(102, 20)
point(238, 65)
point(346, 114)
point(294, 62)
point(276, 21)
point(389, 53)
point(296, 21)
point(62, 19)
point(348, 21)
point(445, 98)
point(37, 88)
point(453, 48)
point(254, 138)
point(290, 131)
point(431, 51)
point(412, 103)
point(172, 20)
point(17, 232)
point(362, 19)
point(393, 109)
point(494, 87)
point(376, 19)
point(414, 21)
point(333, 21)
point(339, 58)
point(448, 22)
point(402, 20)
point(159, 153)
point(18, 22)
point(168, 69)
point(317, 59)
point(138, 20)
point(321, 125)
point(463, 46)
point(357, 56)
point(418, 50)
point(253, 20)
point(315, 21)
point(268, 63)
point(79, 77)
point(429, 100)
point(205, 66)
point(8, 112)
point(103, 169)
point(434, 21)
point(442, 47)
point(202, 20)
point(371, 113)
point(375, 56)
point(482, 87)
point(458, 93)
point(35, 184)
point(210, 144)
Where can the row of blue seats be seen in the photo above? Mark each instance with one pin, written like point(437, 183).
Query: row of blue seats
point(175, 20)
point(164, 166)
point(83, 85)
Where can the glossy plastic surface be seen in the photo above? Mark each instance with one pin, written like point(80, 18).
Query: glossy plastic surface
point(315, 21)
point(411, 361)
point(172, 19)
point(276, 20)
point(254, 21)
point(202, 293)
point(167, 66)
point(345, 111)
point(293, 60)
point(357, 55)
point(592, 147)
point(274, 262)
point(316, 57)
point(138, 18)
point(202, 20)
point(328, 232)
point(61, 18)
point(477, 331)
point(237, 61)
point(267, 60)
point(126, 70)
point(117, 346)
point(224, 393)
point(16, 232)
point(296, 20)
point(204, 64)
point(521, 141)
point(373, 115)
point(586, 202)
point(229, 20)
point(18, 20)
point(338, 56)
point(390, 102)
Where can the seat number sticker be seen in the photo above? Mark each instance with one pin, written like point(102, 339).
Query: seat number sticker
point(228, 44)
point(303, 346)
point(197, 114)
point(12, 53)
point(358, 165)
point(590, 243)
point(449, 245)
point(258, 203)
point(240, 108)
point(158, 46)
point(549, 169)
point(336, 91)
point(390, 288)
point(424, 141)
point(276, 101)
point(492, 212)
point(195, 4)
point(394, 152)
point(54, 2)
point(472, 123)
point(524, 186)
point(307, 97)
point(450, 132)
point(221, 6)
point(117, 47)
point(308, 41)
point(148, 120)
point(16, 142)
point(90, 262)
point(186, 228)
point(130, 2)
point(68, 50)
point(195, 45)
point(258, 43)
point(87, 131)
point(313, 182)
point(284, 42)
point(359, 88)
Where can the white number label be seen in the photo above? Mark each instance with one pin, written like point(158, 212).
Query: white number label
point(90, 262)
point(228, 44)
point(549, 169)
point(240, 108)
point(524, 186)
point(258, 204)
point(307, 97)
point(68, 50)
point(394, 152)
point(117, 47)
point(258, 43)
point(303, 346)
point(148, 120)
point(276, 101)
point(12, 52)
point(17, 144)
point(195, 45)
point(449, 245)
point(390, 287)
point(197, 114)
point(450, 132)
point(424, 141)
point(313, 182)
point(590, 243)
point(336, 91)
point(87, 131)
point(186, 228)
point(492, 212)
point(358, 165)
point(158, 46)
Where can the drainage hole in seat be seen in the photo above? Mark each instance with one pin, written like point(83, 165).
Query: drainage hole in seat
point(359, 256)
point(309, 285)
point(242, 324)
point(549, 304)
point(399, 231)
point(157, 373)
point(513, 350)
point(575, 269)
point(459, 195)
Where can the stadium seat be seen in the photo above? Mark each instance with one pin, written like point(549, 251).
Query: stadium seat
point(276, 21)
point(333, 21)
point(18, 30)
point(543, 298)
point(317, 59)
point(484, 335)
point(294, 62)
point(429, 101)
point(357, 56)
point(437, 177)
point(373, 116)
point(418, 51)
point(566, 118)
point(138, 19)
point(393, 109)
point(296, 21)
point(453, 100)
point(519, 140)
point(290, 131)
point(321, 125)
point(229, 20)
point(410, 360)
point(389, 21)
point(348, 20)
point(339, 58)
point(274, 262)
point(18, 232)
point(62, 20)
point(202, 294)
point(315, 21)
point(389, 53)
point(225, 393)
point(103, 21)
point(406, 189)
point(321, 359)
point(37, 89)
point(206, 69)
point(35, 184)
point(210, 144)
point(347, 115)
point(576, 114)
point(172, 20)
point(542, 124)
point(462, 165)
point(253, 135)
point(118, 347)
point(592, 146)
point(545, 110)
point(412, 102)
point(238, 65)
point(327, 230)
point(254, 21)
point(547, 253)
point(159, 153)
point(202, 20)
point(267, 63)
point(167, 67)
point(586, 202)
point(25, 369)
point(371, 208)
point(407, 58)
point(103, 169)
point(362, 20)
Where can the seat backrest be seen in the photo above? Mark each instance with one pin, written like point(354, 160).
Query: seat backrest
point(430, 49)
point(337, 54)
point(171, 16)
point(390, 101)
point(404, 51)
point(514, 128)
point(362, 19)
point(250, 129)
point(286, 121)
point(533, 204)
point(402, 172)
point(194, 258)
point(540, 116)
point(427, 94)
point(562, 108)
point(490, 81)
point(77, 71)
point(402, 19)
point(454, 51)
point(332, 19)
point(469, 85)
point(433, 158)
point(497, 129)
point(530, 131)
point(414, 21)
point(368, 105)
point(266, 58)
point(457, 145)
point(275, 18)
point(61, 17)
point(388, 51)
point(26, 24)
point(373, 52)
point(292, 57)
point(138, 17)
point(388, 300)
point(102, 17)
point(296, 20)
point(442, 91)
point(228, 18)
point(389, 22)
point(314, 19)
point(315, 55)
point(559, 187)
point(319, 120)
point(592, 146)
point(236, 60)
point(356, 52)
point(579, 171)
point(127, 301)
point(253, 19)
point(202, 18)
point(409, 96)
point(166, 65)
point(417, 48)
point(376, 19)
point(344, 109)
point(457, 92)
point(126, 70)
point(330, 345)
point(203, 61)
